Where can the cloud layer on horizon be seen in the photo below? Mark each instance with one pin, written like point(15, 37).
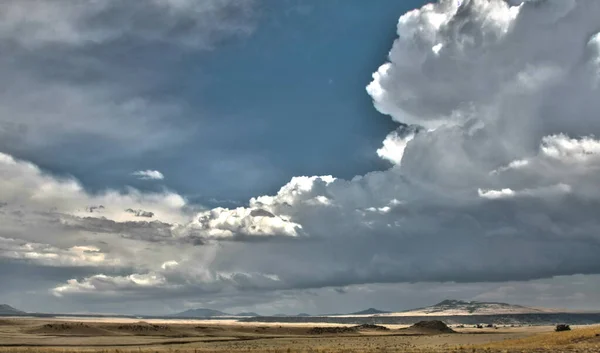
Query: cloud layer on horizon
point(495, 178)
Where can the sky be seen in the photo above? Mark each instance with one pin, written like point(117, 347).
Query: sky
point(298, 155)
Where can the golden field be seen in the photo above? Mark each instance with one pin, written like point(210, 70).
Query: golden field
point(29, 335)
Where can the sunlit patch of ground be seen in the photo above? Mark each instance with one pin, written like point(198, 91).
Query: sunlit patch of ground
point(185, 336)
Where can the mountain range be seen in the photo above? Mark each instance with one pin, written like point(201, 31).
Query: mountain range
point(449, 307)
point(211, 313)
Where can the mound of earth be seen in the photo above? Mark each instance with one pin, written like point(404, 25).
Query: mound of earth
point(432, 326)
point(143, 327)
point(371, 327)
point(332, 330)
point(69, 328)
point(209, 328)
point(346, 329)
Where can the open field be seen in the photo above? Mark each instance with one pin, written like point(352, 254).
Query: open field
point(127, 335)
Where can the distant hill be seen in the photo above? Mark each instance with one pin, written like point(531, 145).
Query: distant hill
point(370, 311)
point(459, 307)
point(289, 315)
point(449, 307)
point(452, 307)
point(249, 314)
point(9, 310)
point(201, 312)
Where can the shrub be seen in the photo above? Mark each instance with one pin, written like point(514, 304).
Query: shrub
point(562, 327)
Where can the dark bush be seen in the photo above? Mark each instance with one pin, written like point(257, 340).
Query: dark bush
point(371, 327)
point(562, 327)
point(332, 330)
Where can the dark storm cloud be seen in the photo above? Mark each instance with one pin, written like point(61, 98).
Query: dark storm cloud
point(74, 61)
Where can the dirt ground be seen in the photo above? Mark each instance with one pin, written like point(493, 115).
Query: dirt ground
point(126, 335)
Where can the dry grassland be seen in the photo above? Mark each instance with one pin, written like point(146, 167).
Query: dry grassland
point(37, 336)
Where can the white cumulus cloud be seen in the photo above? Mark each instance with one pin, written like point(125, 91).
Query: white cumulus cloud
point(500, 183)
point(149, 175)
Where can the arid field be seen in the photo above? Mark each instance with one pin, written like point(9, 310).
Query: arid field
point(127, 335)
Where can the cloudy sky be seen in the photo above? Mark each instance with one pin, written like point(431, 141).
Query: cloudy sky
point(286, 156)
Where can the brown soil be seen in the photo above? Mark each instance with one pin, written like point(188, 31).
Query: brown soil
point(372, 327)
point(60, 336)
point(69, 329)
point(143, 327)
point(331, 330)
point(345, 329)
point(213, 328)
